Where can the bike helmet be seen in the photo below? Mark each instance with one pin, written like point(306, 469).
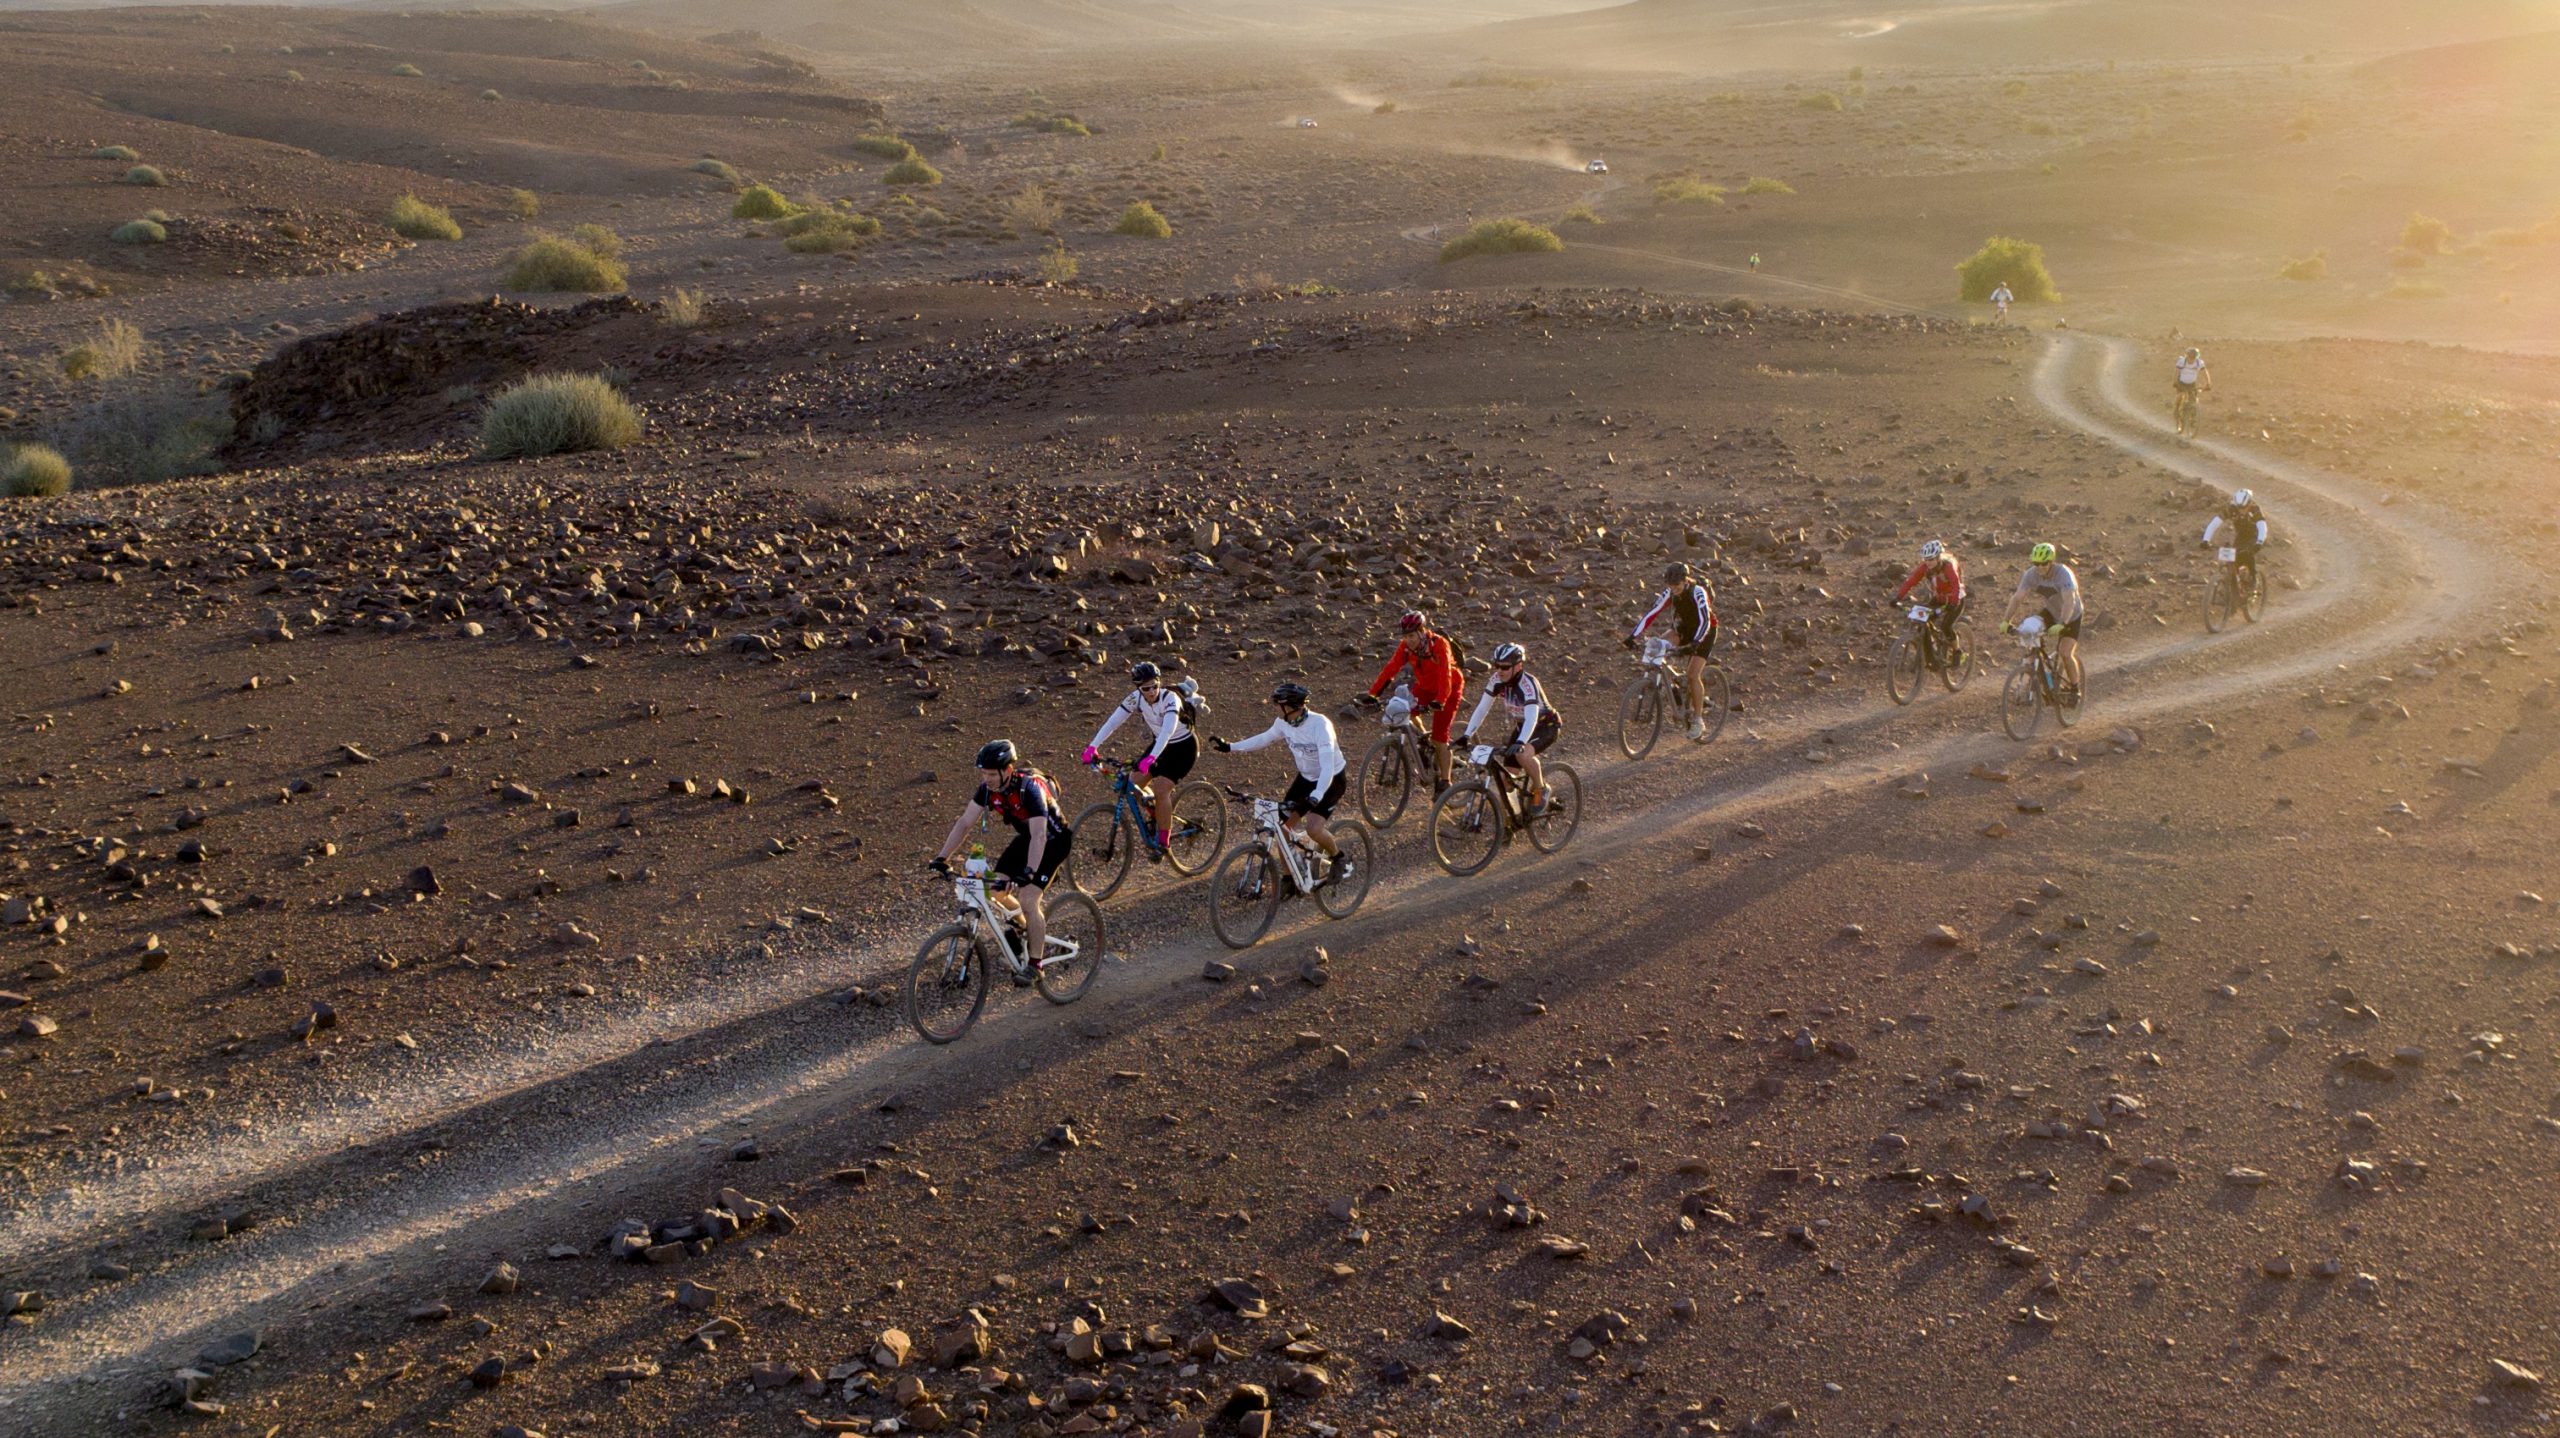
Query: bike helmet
point(997, 754)
point(1144, 671)
point(1508, 653)
point(1676, 573)
point(1932, 552)
point(1289, 692)
point(1412, 621)
point(2041, 554)
point(2240, 498)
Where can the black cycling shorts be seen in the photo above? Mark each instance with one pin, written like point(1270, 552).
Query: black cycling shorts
point(1177, 759)
point(1703, 647)
point(2060, 631)
point(1543, 737)
point(1015, 862)
point(1302, 797)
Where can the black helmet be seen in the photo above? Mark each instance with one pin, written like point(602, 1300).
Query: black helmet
point(1144, 670)
point(1289, 691)
point(1676, 573)
point(997, 754)
point(1508, 653)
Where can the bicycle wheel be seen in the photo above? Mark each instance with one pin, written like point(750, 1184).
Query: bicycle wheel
point(1199, 828)
point(947, 984)
point(1466, 828)
point(1099, 863)
point(1073, 919)
point(2254, 603)
point(2217, 603)
point(2021, 707)
point(1342, 900)
point(1719, 687)
point(1554, 829)
point(1640, 717)
point(1902, 668)
point(2067, 702)
point(1957, 671)
point(1244, 896)
point(1386, 781)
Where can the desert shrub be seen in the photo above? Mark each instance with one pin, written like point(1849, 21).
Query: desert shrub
point(139, 232)
point(1032, 212)
point(407, 71)
point(126, 153)
point(2312, 266)
point(1488, 80)
point(115, 349)
point(491, 96)
point(523, 204)
point(1763, 185)
point(31, 471)
point(1383, 107)
point(1144, 221)
point(884, 147)
point(762, 202)
point(1501, 237)
point(1049, 122)
point(1819, 100)
point(1056, 266)
point(2426, 236)
point(911, 171)
point(145, 433)
point(293, 77)
point(554, 263)
point(827, 232)
point(146, 175)
point(599, 239)
point(557, 413)
point(2014, 88)
point(2015, 263)
point(720, 170)
point(414, 219)
point(684, 309)
point(1687, 190)
point(1582, 215)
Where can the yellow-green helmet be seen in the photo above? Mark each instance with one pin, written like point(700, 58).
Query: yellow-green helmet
point(2041, 554)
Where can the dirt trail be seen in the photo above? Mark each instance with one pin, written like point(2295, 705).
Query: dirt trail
point(588, 1117)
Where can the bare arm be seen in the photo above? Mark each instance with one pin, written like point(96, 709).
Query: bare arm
point(968, 819)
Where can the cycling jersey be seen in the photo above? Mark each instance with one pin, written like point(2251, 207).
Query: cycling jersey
point(1522, 695)
point(1946, 582)
point(1437, 679)
point(2057, 593)
point(1026, 799)
point(1692, 613)
point(2189, 371)
point(2002, 297)
point(2246, 526)
point(1312, 746)
point(1163, 716)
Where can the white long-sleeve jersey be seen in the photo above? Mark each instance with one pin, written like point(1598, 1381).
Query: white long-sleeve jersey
point(1313, 747)
point(1163, 718)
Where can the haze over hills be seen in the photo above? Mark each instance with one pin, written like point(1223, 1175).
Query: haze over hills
point(989, 29)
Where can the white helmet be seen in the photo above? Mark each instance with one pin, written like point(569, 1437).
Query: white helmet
point(2240, 498)
point(1932, 551)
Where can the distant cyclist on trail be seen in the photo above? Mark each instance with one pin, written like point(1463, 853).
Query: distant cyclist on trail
point(1755, 262)
point(2194, 382)
point(2002, 299)
point(2243, 526)
point(2048, 602)
point(1439, 680)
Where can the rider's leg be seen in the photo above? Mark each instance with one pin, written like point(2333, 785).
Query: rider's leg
point(1035, 926)
point(2068, 651)
point(1697, 676)
point(1162, 789)
point(1443, 718)
point(1322, 833)
point(1535, 773)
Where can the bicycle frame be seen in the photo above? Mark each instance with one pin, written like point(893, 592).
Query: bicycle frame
point(970, 888)
point(1274, 835)
point(1656, 663)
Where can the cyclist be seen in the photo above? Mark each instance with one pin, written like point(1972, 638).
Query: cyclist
point(1689, 610)
point(1175, 749)
point(1945, 576)
point(2247, 525)
point(1024, 798)
point(1755, 262)
point(2194, 379)
point(1317, 752)
point(2049, 592)
point(1519, 692)
point(1439, 681)
point(2002, 298)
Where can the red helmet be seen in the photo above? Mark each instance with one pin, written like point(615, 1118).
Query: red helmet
point(1412, 621)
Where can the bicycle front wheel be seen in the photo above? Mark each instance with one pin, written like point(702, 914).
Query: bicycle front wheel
point(2254, 603)
point(2066, 702)
point(1075, 938)
point(1466, 828)
point(1386, 781)
point(2217, 603)
point(1956, 669)
point(2021, 705)
point(1553, 829)
point(1199, 829)
point(1903, 668)
point(1640, 717)
point(1719, 691)
point(947, 984)
point(1245, 896)
point(1340, 898)
point(1099, 862)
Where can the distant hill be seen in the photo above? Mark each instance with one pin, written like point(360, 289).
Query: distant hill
point(971, 29)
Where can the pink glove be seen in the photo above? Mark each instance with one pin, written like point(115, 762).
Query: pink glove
point(1147, 765)
point(1089, 755)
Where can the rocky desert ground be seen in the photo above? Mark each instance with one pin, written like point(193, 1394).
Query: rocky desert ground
point(458, 908)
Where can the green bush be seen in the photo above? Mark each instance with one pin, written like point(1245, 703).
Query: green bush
point(720, 170)
point(1144, 221)
point(523, 204)
point(145, 433)
point(1687, 190)
point(1049, 122)
point(115, 350)
point(554, 264)
point(1763, 185)
point(31, 471)
point(555, 414)
point(1032, 212)
point(139, 232)
point(407, 71)
point(1383, 107)
point(414, 219)
point(2312, 266)
point(684, 309)
point(491, 96)
point(762, 202)
point(597, 238)
point(911, 171)
point(1582, 215)
point(885, 147)
point(126, 153)
point(827, 232)
point(1501, 237)
point(1820, 100)
point(1057, 267)
point(145, 175)
point(2425, 236)
point(2015, 263)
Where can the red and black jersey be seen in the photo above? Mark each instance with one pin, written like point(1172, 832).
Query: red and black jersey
point(1027, 798)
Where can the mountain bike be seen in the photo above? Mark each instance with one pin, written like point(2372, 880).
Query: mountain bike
point(1479, 815)
point(2184, 409)
point(2224, 594)
point(2034, 686)
point(1402, 752)
point(1276, 864)
point(1920, 650)
point(947, 983)
point(1110, 834)
point(1659, 689)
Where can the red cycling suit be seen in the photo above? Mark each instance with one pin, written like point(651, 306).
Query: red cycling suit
point(1947, 585)
point(1437, 681)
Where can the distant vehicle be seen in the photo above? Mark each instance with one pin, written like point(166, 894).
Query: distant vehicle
point(1596, 167)
point(1306, 124)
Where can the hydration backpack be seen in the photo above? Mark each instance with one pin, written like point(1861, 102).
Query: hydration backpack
point(1191, 704)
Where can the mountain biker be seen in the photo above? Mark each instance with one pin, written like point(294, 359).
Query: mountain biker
point(2003, 298)
point(1439, 681)
point(1519, 692)
point(1688, 608)
point(2247, 525)
point(2049, 592)
point(1317, 752)
point(2194, 379)
point(1755, 262)
point(1175, 749)
point(1024, 798)
point(1945, 576)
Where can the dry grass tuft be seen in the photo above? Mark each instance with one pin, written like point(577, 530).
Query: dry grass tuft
point(31, 471)
point(557, 414)
point(1501, 237)
point(557, 264)
point(115, 350)
point(1143, 221)
point(414, 219)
